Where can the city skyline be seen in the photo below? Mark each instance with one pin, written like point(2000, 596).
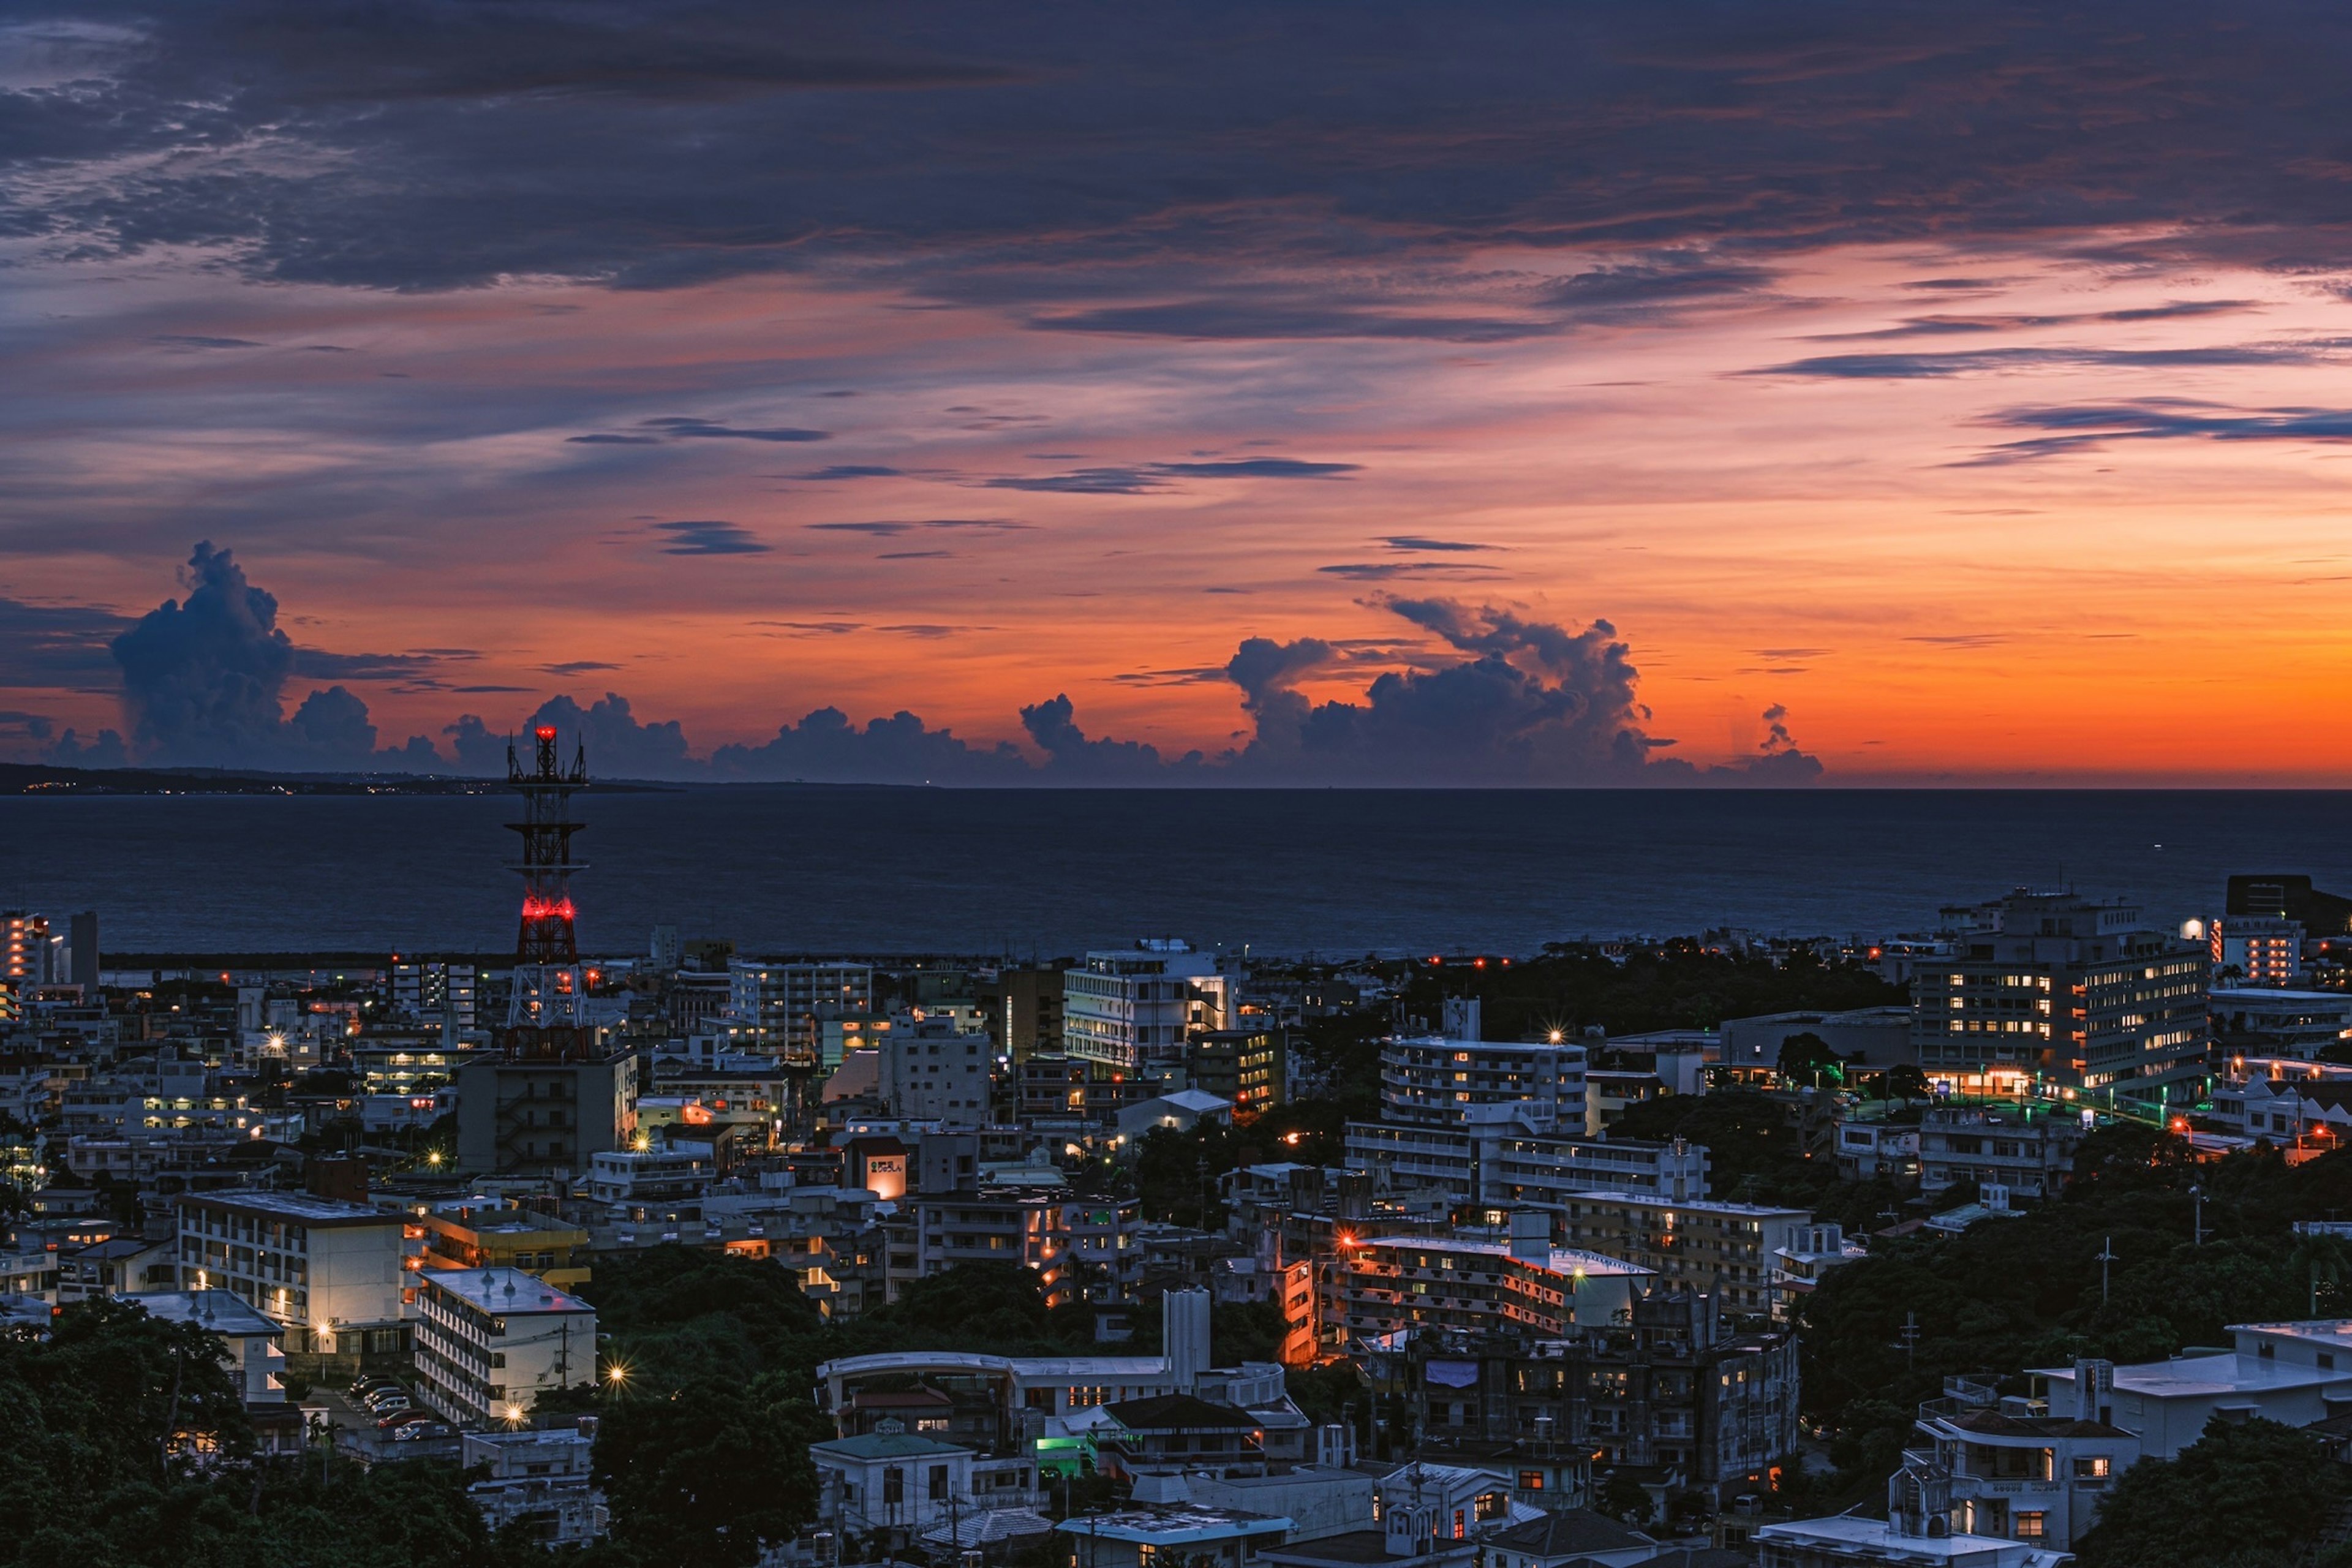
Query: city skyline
point(1528, 398)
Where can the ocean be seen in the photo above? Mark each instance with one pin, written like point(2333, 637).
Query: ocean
point(802, 868)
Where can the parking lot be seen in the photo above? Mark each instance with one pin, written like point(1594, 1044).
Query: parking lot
point(358, 1436)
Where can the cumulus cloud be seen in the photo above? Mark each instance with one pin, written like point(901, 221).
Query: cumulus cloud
point(204, 680)
point(826, 747)
point(613, 733)
point(1484, 694)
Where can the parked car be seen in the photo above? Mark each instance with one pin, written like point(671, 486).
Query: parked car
point(388, 1406)
point(399, 1419)
point(414, 1430)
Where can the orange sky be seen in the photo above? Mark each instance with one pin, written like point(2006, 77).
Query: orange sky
point(2158, 610)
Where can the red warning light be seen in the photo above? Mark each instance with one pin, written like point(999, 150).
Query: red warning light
point(545, 732)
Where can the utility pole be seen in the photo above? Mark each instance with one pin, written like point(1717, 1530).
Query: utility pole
point(1909, 1340)
point(2197, 1235)
point(2106, 1256)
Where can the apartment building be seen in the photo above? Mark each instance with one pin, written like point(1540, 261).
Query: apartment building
point(491, 1340)
point(1437, 1080)
point(2055, 992)
point(1670, 1393)
point(1245, 1066)
point(331, 1272)
point(1482, 1287)
point(930, 1073)
point(2027, 1149)
point(1724, 1249)
point(1131, 1010)
point(1081, 1250)
point(1496, 1157)
point(780, 1006)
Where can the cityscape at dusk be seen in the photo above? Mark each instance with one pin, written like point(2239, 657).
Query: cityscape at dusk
point(1018, 786)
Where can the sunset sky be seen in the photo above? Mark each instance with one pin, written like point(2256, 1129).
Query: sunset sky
point(1918, 394)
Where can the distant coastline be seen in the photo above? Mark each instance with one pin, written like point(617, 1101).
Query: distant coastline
point(39, 778)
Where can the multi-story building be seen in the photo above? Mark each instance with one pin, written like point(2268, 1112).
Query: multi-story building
point(1245, 1066)
point(528, 1115)
point(1671, 1394)
point(405, 1065)
point(2258, 1021)
point(2020, 1469)
point(2270, 896)
point(928, 1072)
point(475, 1234)
point(1482, 1287)
point(1872, 1146)
point(2257, 950)
point(1724, 1249)
point(902, 1481)
point(1133, 1009)
point(1438, 1080)
point(1080, 1250)
point(1494, 1157)
point(433, 992)
point(491, 1340)
point(331, 1272)
point(2027, 1149)
point(2057, 992)
point(1024, 1011)
point(1798, 1267)
point(782, 1004)
point(539, 1478)
point(643, 1179)
point(29, 955)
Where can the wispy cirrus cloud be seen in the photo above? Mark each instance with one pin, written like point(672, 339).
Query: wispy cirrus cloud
point(1145, 477)
point(2089, 427)
point(680, 427)
point(710, 538)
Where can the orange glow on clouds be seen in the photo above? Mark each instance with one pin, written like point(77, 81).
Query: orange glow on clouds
point(1927, 599)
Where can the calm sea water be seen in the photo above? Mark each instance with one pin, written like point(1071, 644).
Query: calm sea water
point(800, 868)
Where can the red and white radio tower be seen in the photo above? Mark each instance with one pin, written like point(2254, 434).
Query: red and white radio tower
point(547, 1014)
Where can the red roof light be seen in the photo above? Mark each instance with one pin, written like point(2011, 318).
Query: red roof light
point(545, 732)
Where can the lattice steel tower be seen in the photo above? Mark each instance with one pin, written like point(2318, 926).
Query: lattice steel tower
point(546, 1016)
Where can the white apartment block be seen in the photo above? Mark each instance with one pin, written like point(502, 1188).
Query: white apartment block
point(1438, 1080)
point(331, 1272)
point(489, 1342)
point(1132, 1009)
point(930, 1073)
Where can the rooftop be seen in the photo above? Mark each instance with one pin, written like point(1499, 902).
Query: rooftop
point(222, 1311)
point(1563, 1259)
point(298, 1206)
point(886, 1445)
point(1569, 1533)
point(1688, 1206)
point(1175, 1526)
point(1351, 1546)
point(1180, 1412)
point(1877, 1535)
point(507, 1291)
point(2206, 1376)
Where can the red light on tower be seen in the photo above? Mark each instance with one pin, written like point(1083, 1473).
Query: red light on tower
point(545, 733)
